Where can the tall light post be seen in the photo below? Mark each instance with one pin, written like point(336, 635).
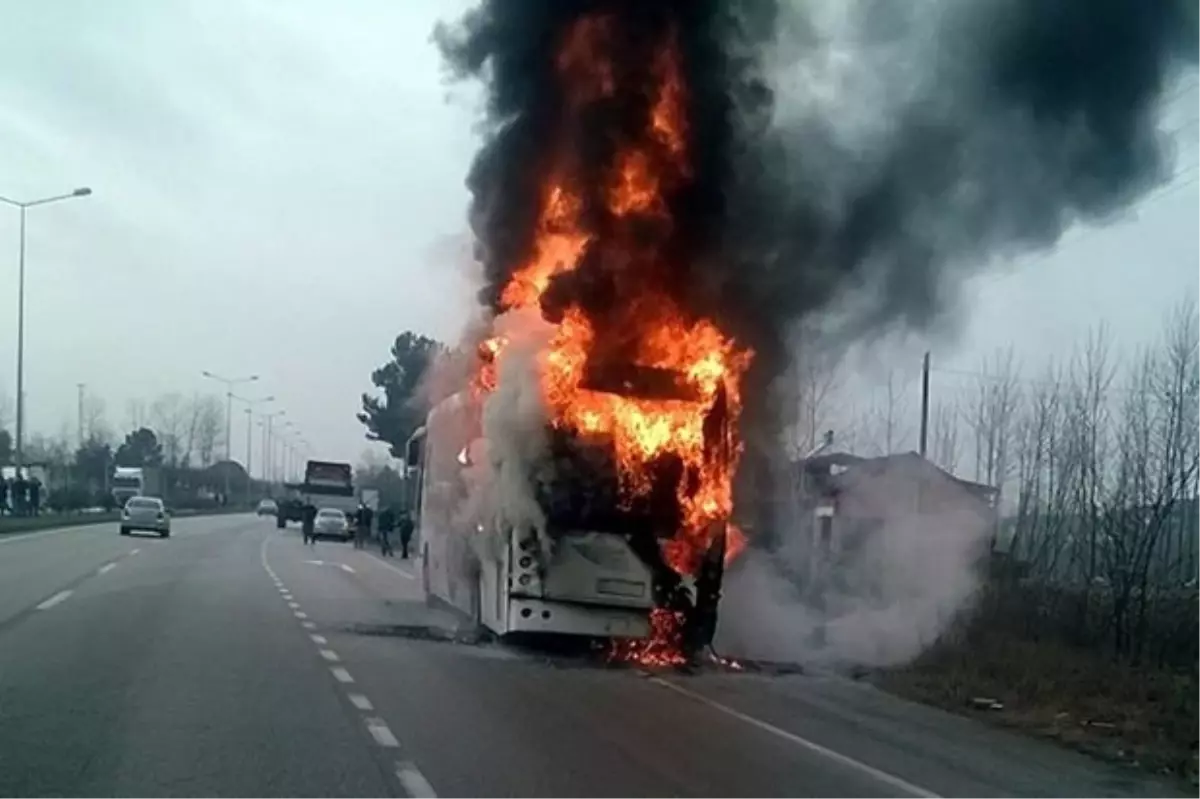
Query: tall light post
point(23, 207)
point(250, 403)
point(229, 384)
point(270, 462)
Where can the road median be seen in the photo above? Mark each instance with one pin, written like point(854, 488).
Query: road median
point(49, 521)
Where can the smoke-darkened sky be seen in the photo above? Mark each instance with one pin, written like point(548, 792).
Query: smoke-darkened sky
point(275, 185)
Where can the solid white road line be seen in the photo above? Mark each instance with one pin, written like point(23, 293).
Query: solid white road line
point(413, 781)
point(106, 568)
point(341, 675)
point(308, 625)
point(347, 568)
point(387, 565)
point(330, 655)
point(299, 614)
point(360, 702)
point(380, 732)
point(58, 598)
point(318, 639)
point(882, 776)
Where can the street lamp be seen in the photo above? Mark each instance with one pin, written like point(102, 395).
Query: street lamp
point(23, 206)
point(270, 461)
point(250, 403)
point(229, 384)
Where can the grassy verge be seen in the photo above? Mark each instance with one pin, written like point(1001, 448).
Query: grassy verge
point(49, 521)
point(1140, 716)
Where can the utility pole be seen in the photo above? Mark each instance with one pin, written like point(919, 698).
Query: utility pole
point(925, 405)
point(23, 207)
point(79, 412)
point(249, 453)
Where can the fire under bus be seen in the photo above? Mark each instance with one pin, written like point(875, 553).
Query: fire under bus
point(607, 574)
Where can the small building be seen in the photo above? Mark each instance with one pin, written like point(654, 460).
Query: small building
point(849, 498)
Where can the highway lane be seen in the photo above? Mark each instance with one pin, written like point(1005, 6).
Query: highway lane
point(234, 660)
point(489, 720)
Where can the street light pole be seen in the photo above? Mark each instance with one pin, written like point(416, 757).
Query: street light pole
point(23, 206)
point(229, 384)
point(270, 462)
point(250, 403)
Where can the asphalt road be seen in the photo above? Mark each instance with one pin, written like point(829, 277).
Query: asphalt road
point(230, 659)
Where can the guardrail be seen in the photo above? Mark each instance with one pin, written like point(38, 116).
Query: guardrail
point(23, 524)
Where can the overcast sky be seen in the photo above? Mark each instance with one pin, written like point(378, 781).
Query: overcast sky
point(279, 191)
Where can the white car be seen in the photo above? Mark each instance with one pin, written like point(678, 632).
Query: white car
point(267, 507)
point(333, 523)
point(145, 513)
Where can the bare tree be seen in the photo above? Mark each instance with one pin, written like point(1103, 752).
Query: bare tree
point(817, 383)
point(135, 414)
point(6, 410)
point(885, 427)
point(169, 416)
point(946, 448)
point(991, 417)
point(95, 425)
point(210, 426)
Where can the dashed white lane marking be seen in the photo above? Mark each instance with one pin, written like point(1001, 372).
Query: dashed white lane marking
point(381, 733)
point(299, 614)
point(319, 639)
point(106, 568)
point(133, 552)
point(330, 655)
point(347, 568)
point(293, 605)
point(360, 702)
point(341, 675)
point(413, 781)
point(308, 625)
point(882, 776)
point(386, 565)
point(58, 598)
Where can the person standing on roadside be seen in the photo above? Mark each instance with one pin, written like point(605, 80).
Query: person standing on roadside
point(3, 495)
point(406, 532)
point(308, 527)
point(387, 520)
point(362, 530)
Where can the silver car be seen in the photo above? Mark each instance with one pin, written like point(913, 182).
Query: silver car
point(331, 522)
point(145, 513)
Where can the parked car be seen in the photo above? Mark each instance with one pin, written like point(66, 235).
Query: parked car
point(145, 513)
point(332, 523)
point(267, 507)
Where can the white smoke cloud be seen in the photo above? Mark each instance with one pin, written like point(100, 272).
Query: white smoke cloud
point(877, 603)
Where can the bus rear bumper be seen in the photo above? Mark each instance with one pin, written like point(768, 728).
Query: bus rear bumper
point(541, 616)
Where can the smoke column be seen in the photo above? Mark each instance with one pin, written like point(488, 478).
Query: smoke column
point(852, 161)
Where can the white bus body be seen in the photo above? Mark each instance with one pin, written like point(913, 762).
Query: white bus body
point(592, 584)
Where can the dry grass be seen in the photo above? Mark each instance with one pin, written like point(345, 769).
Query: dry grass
point(1139, 716)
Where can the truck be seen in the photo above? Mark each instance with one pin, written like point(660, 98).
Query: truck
point(327, 484)
point(136, 481)
point(290, 506)
point(604, 577)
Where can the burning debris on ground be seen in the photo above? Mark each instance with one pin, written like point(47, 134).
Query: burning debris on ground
point(639, 194)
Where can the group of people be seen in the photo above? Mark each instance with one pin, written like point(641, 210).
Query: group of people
point(389, 521)
point(20, 496)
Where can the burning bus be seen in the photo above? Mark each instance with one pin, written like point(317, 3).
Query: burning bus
point(622, 544)
point(581, 480)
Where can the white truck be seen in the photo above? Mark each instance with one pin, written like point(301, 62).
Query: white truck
point(136, 481)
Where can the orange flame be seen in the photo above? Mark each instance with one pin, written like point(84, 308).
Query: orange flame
point(642, 173)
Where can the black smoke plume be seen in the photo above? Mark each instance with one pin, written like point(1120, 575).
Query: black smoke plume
point(998, 124)
point(961, 131)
